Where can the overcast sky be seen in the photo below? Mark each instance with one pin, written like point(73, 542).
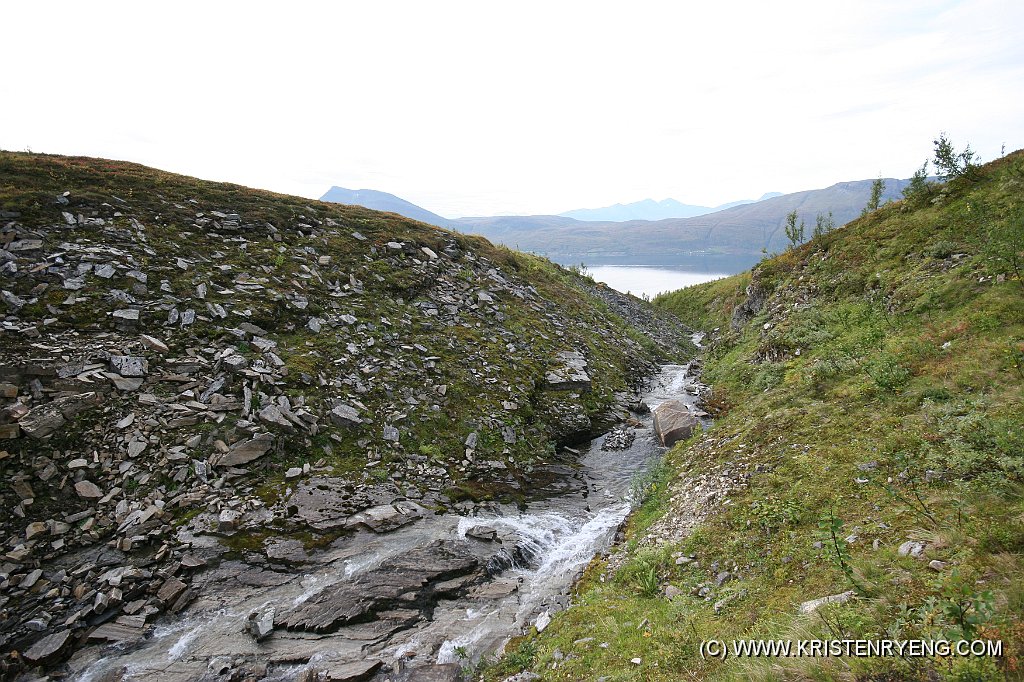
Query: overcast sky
point(480, 108)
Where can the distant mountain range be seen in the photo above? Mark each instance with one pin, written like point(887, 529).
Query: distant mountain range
point(726, 240)
point(649, 209)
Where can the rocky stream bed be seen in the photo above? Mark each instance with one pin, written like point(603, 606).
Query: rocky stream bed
point(411, 595)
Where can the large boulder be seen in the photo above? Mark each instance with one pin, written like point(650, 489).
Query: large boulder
point(674, 422)
point(751, 306)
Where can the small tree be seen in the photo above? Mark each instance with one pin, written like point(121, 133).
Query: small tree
point(950, 163)
point(794, 232)
point(823, 224)
point(918, 182)
point(875, 200)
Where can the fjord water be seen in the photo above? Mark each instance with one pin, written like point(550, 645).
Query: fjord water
point(649, 280)
point(573, 515)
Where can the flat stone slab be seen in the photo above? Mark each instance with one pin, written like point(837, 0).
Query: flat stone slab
point(350, 672)
point(416, 579)
point(570, 373)
point(89, 490)
point(432, 672)
point(244, 452)
point(286, 551)
point(129, 365)
point(481, 532)
point(117, 632)
point(49, 648)
point(345, 415)
point(43, 420)
point(322, 503)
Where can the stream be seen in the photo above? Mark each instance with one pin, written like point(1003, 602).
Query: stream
point(539, 552)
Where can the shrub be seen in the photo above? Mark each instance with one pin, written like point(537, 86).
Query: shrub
point(887, 373)
point(919, 184)
point(941, 250)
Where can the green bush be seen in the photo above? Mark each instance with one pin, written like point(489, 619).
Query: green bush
point(887, 373)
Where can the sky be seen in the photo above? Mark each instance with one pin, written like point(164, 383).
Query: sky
point(487, 108)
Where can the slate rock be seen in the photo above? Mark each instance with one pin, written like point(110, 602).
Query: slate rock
point(345, 415)
point(154, 343)
point(88, 490)
point(911, 548)
point(244, 452)
point(286, 551)
point(41, 421)
point(170, 590)
point(321, 503)
point(357, 671)
point(49, 649)
point(271, 414)
point(485, 533)
point(119, 632)
point(260, 623)
point(35, 528)
point(815, 604)
point(419, 577)
point(543, 621)
point(129, 365)
point(570, 373)
point(435, 672)
point(386, 517)
point(228, 520)
point(126, 315)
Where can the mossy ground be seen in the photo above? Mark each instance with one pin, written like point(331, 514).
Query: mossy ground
point(875, 398)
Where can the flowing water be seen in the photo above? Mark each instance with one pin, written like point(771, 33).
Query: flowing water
point(554, 538)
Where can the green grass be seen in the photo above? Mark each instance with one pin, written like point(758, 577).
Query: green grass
point(876, 396)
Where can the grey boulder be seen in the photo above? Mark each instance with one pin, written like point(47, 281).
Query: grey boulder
point(674, 422)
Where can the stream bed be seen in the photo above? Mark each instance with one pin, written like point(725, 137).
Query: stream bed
point(414, 602)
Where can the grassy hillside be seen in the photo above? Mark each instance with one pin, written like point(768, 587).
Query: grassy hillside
point(180, 356)
point(869, 442)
